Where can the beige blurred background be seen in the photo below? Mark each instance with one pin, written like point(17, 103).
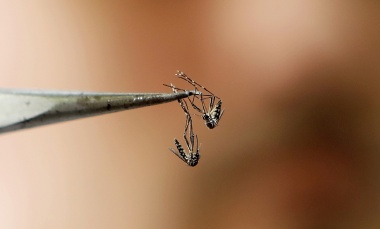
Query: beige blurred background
point(297, 147)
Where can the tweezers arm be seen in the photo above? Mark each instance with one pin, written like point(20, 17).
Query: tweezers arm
point(20, 109)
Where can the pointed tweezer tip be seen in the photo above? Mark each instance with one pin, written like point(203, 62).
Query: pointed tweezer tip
point(182, 95)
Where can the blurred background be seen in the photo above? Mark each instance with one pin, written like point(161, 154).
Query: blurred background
point(297, 147)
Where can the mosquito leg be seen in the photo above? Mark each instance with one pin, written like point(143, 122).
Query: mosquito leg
point(183, 76)
point(184, 106)
point(212, 100)
point(195, 106)
point(175, 90)
point(194, 156)
point(203, 105)
point(196, 137)
point(189, 122)
point(191, 138)
point(187, 142)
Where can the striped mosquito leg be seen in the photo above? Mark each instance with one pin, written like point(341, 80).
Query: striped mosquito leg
point(188, 129)
point(183, 76)
point(175, 90)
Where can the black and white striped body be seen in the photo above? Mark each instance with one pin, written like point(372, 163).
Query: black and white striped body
point(212, 118)
point(191, 159)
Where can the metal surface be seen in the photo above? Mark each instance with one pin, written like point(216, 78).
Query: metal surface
point(20, 109)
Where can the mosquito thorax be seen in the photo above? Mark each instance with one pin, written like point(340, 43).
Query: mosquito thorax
point(193, 160)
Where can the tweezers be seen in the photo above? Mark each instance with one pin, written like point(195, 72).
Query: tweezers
point(20, 109)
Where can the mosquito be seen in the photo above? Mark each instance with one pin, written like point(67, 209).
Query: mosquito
point(191, 158)
point(213, 114)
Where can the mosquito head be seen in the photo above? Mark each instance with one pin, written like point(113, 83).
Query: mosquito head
point(211, 124)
